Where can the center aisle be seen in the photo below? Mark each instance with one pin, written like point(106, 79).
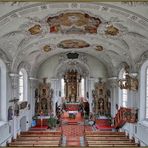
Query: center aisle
point(73, 130)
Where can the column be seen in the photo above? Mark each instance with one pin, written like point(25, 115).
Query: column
point(14, 93)
point(33, 84)
point(54, 82)
point(91, 82)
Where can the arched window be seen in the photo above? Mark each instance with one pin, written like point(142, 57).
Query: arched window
point(146, 98)
point(144, 91)
point(122, 92)
point(23, 83)
point(62, 88)
point(3, 97)
point(82, 87)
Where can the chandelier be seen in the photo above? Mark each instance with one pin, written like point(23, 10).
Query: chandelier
point(128, 82)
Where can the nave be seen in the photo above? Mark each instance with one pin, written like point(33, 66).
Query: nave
point(76, 132)
point(69, 69)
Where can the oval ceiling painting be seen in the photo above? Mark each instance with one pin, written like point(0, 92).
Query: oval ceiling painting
point(73, 23)
point(73, 43)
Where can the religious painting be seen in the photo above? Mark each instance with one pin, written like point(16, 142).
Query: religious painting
point(36, 29)
point(10, 113)
point(73, 23)
point(16, 110)
point(73, 43)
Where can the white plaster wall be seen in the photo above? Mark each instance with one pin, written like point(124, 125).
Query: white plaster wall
point(4, 133)
point(47, 69)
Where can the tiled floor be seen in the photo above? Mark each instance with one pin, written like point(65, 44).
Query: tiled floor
point(75, 131)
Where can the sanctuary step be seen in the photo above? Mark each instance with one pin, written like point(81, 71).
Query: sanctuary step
point(73, 141)
point(37, 138)
point(108, 138)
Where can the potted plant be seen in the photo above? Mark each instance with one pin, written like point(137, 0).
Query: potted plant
point(52, 122)
point(34, 120)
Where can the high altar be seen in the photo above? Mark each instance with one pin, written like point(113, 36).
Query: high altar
point(72, 83)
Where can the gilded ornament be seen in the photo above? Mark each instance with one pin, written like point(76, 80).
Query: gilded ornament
point(111, 30)
point(36, 29)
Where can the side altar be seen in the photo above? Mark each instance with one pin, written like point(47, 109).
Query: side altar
point(43, 96)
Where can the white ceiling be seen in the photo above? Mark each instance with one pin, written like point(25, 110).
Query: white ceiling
point(128, 45)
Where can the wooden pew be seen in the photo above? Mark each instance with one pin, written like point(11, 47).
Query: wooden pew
point(39, 138)
point(108, 138)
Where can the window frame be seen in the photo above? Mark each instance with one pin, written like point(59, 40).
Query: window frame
point(122, 101)
point(24, 91)
point(143, 86)
point(3, 91)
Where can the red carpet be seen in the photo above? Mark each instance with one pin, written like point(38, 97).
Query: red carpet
point(103, 125)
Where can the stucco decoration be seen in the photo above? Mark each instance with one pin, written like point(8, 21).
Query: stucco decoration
point(73, 23)
point(24, 65)
point(6, 58)
point(73, 43)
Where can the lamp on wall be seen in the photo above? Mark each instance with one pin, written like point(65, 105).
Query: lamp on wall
point(129, 82)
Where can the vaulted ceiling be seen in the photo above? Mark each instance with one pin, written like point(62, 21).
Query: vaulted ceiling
point(111, 32)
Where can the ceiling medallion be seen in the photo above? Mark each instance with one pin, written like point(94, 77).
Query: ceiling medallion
point(36, 29)
point(47, 48)
point(111, 30)
point(99, 48)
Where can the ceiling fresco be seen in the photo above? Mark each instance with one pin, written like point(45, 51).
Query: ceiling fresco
point(72, 43)
point(73, 22)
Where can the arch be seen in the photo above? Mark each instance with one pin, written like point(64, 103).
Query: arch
point(3, 88)
point(82, 68)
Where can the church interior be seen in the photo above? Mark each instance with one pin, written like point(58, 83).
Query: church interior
point(74, 74)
